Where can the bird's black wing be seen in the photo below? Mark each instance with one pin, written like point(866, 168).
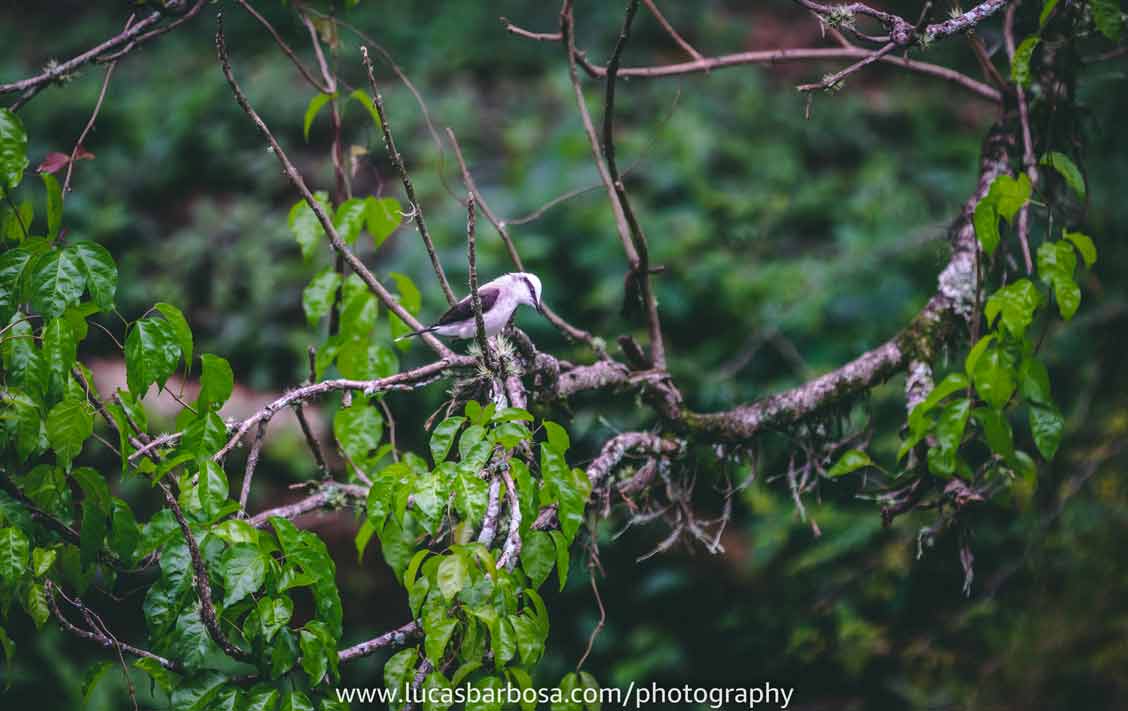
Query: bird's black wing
point(464, 310)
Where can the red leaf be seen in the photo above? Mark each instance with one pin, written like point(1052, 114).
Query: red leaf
point(53, 163)
point(81, 153)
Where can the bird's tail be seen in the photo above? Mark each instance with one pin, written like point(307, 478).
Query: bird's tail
point(413, 334)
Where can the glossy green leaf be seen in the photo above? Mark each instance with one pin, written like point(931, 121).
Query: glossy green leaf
point(244, 572)
point(1057, 261)
point(350, 219)
point(362, 97)
point(60, 348)
point(152, 352)
point(382, 217)
point(443, 437)
point(557, 436)
point(304, 225)
point(538, 555)
point(359, 429)
point(850, 461)
point(452, 575)
point(1084, 244)
point(314, 107)
point(318, 296)
point(14, 551)
point(437, 630)
point(56, 282)
point(13, 150)
point(996, 430)
point(99, 269)
point(54, 204)
point(471, 494)
point(1020, 64)
point(1106, 16)
point(180, 329)
point(1034, 381)
point(69, 425)
point(1047, 426)
point(216, 382)
point(1068, 170)
point(1016, 304)
point(994, 377)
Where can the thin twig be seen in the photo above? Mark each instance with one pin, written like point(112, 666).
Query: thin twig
point(324, 89)
point(640, 265)
point(475, 299)
point(409, 188)
point(252, 461)
point(686, 46)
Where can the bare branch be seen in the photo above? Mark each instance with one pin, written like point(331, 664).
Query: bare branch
point(512, 547)
point(686, 46)
point(395, 637)
point(409, 188)
point(323, 88)
point(475, 299)
point(331, 492)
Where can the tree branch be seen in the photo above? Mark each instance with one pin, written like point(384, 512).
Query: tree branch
point(326, 223)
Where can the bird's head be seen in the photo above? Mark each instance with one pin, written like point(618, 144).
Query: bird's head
point(527, 286)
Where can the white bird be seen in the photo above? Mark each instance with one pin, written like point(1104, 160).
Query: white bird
point(500, 298)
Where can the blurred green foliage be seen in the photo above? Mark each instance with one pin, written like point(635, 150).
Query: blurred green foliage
point(789, 246)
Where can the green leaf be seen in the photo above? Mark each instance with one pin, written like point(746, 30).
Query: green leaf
point(13, 555)
point(244, 572)
point(994, 377)
point(382, 216)
point(1084, 245)
point(362, 96)
point(1047, 8)
point(93, 675)
point(273, 614)
point(196, 692)
point(94, 488)
point(305, 226)
point(471, 494)
point(69, 425)
point(997, 431)
point(452, 575)
point(35, 604)
point(1017, 303)
point(557, 436)
point(350, 219)
point(13, 150)
point(203, 437)
point(1020, 64)
point(264, 699)
point(950, 429)
point(54, 204)
point(1106, 16)
point(1057, 262)
point(151, 354)
point(216, 382)
point(296, 701)
point(538, 555)
point(851, 461)
point(180, 330)
point(986, 222)
point(563, 557)
point(165, 679)
point(315, 662)
point(56, 282)
point(60, 349)
point(1047, 426)
point(312, 110)
point(359, 428)
point(409, 296)
point(13, 263)
point(443, 437)
point(99, 270)
point(318, 296)
point(437, 629)
point(399, 671)
point(1034, 381)
point(1068, 170)
point(41, 560)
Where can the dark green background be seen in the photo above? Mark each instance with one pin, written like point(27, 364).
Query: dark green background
point(818, 238)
